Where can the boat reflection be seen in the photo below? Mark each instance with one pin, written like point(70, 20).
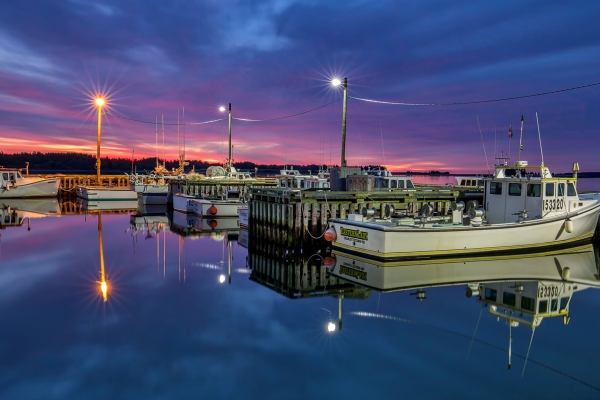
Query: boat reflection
point(522, 290)
point(191, 225)
point(14, 212)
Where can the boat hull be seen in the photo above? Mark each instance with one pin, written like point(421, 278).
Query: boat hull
point(41, 188)
point(102, 193)
point(243, 215)
point(385, 243)
point(457, 271)
point(221, 208)
point(184, 203)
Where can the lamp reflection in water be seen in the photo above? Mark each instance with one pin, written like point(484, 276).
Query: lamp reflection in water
point(222, 277)
point(103, 283)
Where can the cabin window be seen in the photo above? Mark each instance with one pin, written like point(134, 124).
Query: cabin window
point(543, 307)
point(534, 190)
point(410, 185)
point(479, 183)
point(563, 303)
point(301, 184)
point(394, 184)
point(496, 188)
point(490, 294)
point(384, 184)
point(509, 299)
point(514, 189)
point(5, 176)
point(326, 185)
point(561, 189)
point(571, 189)
point(549, 189)
point(463, 182)
point(401, 185)
point(554, 305)
point(527, 303)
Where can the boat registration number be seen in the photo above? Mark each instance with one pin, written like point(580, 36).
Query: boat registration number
point(554, 204)
point(548, 291)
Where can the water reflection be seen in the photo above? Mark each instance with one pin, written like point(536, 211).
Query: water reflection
point(521, 290)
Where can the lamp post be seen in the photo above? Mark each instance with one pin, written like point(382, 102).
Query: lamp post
point(229, 160)
point(99, 103)
point(336, 82)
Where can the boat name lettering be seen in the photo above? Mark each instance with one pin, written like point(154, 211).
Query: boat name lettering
point(355, 233)
point(353, 273)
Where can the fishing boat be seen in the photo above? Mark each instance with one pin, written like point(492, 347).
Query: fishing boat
point(524, 207)
point(293, 179)
point(14, 212)
point(14, 185)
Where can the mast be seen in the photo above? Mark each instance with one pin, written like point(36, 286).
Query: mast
point(229, 161)
point(521, 138)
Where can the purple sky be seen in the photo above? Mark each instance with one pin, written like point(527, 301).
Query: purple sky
point(276, 58)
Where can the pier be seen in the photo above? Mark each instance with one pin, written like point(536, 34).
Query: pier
point(297, 217)
point(69, 182)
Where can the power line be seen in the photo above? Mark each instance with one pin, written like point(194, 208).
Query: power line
point(150, 122)
point(287, 116)
point(473, 102)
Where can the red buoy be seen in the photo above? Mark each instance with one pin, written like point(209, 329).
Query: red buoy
point(330, 234)
point(329, 262)
point(212, 210)
point(213, 223)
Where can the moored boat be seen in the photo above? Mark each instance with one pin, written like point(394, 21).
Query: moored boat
point(521, 210)
point(14, 185)
point(243, 215)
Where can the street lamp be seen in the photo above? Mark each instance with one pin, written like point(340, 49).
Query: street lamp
point(336, 82)
point(229, 160)
point(99, 102)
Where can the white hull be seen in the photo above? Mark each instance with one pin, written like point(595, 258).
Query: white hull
point(243, 215)
point(222, 208)
point(184, 203)
point(38, 188)
point(445, 272)
point(152, 198)
point(388, 243)
point(41, 207)
point(101, 193)
point(103, 205)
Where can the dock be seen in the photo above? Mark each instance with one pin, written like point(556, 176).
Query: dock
point(298, 217)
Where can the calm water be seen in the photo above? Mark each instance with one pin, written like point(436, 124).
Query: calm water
point(174, 327)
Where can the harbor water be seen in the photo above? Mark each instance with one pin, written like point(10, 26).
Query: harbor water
point(185, 316)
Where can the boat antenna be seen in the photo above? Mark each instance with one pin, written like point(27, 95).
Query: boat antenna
point(495, 138)
point(382, 152)
point(178, 136)
point(510, 135)
point(156, 146)
point(529, 348)
point(539, 137)
point(362, 154)
point(509, 339)
point(476, 326)
point(222, 142)
point(521, 137)
point(132, 155)
point(484, 152)
point(163, 133)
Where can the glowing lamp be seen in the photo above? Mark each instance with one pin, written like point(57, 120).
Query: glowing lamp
point(221, 108)
point(99, 101)
point(336, 82)
point(330, 327)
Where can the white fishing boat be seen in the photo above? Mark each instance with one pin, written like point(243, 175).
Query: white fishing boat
point(293, 179)
point(521, 211)
point(14, 185)
point(244, 216)
point(150, 189)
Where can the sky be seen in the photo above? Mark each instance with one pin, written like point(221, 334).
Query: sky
point(276, 58)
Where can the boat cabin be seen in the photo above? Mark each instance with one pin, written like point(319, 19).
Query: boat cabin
point(531, 301)
point(514, 195)
point(291, 178)
point(470, 181)
point(377, 179)
point(9, 177)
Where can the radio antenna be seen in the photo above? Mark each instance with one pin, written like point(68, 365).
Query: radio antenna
point(484, 152)
point(539, 137)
